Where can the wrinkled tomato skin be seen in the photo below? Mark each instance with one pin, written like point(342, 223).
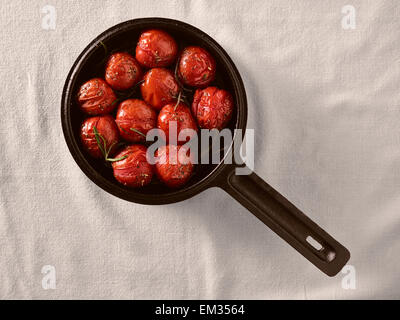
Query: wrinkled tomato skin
point(138, 115)
point(122, 71)
point(196, 67)
point(181, 115)
point(212, 107)
point(159, 87)
point(133, 171)
point(174, 174)
point(106, 127)
point(156, 48)
point(96, 97)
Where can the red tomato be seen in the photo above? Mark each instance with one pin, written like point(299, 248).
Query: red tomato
point(181, 115)
point(196, 67)
point(176, 172)
point(96, 97)
point(134, 119)
point(133, 171)
point(106, 127)
point(156, 48)
point(159, 87)
point(212, 107)
point(122, 71)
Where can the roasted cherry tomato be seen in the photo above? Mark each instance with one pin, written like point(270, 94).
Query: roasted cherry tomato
point(181, 114)
point(159, 87)
point(134, 170)
point(174, 166)
point(212, 108)
point(156, 48)
point(96, 97)
point(122, 71)
point(134, 119)
point(107, 133)
point(196, 67)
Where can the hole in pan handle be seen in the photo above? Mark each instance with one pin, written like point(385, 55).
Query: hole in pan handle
point(286, 220)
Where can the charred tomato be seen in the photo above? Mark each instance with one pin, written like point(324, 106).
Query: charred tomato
point(95, 97)
point(181, 114)
point(156, 48)
point(159, 87)
point(134, 119)
point(106, 130)
point(122, 71)
point(212, 108)
point(174, 166)
point(133, 170)
point(196, 67)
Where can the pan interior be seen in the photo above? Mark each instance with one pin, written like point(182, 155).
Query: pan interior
point(91, 63)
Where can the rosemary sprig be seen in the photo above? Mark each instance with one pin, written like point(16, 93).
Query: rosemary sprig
point(97, 136)
point(103, 146)
point(178, 100)
point(137, 131)
point(131, 92)
point(116, 159)
point(105, 53)
point(124, 96)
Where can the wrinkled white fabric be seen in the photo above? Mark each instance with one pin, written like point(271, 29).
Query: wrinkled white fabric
point(324, 103)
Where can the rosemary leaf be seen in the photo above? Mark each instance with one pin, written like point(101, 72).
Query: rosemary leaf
point(96, 136)
point(138, 132)
point(117, 159)
point(179, 100)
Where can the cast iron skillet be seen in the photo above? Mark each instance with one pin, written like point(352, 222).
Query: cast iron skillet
point(250, 190)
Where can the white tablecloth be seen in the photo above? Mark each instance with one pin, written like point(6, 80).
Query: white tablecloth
point(323, 100)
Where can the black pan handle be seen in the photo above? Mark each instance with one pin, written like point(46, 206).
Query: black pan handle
point(286, 220)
